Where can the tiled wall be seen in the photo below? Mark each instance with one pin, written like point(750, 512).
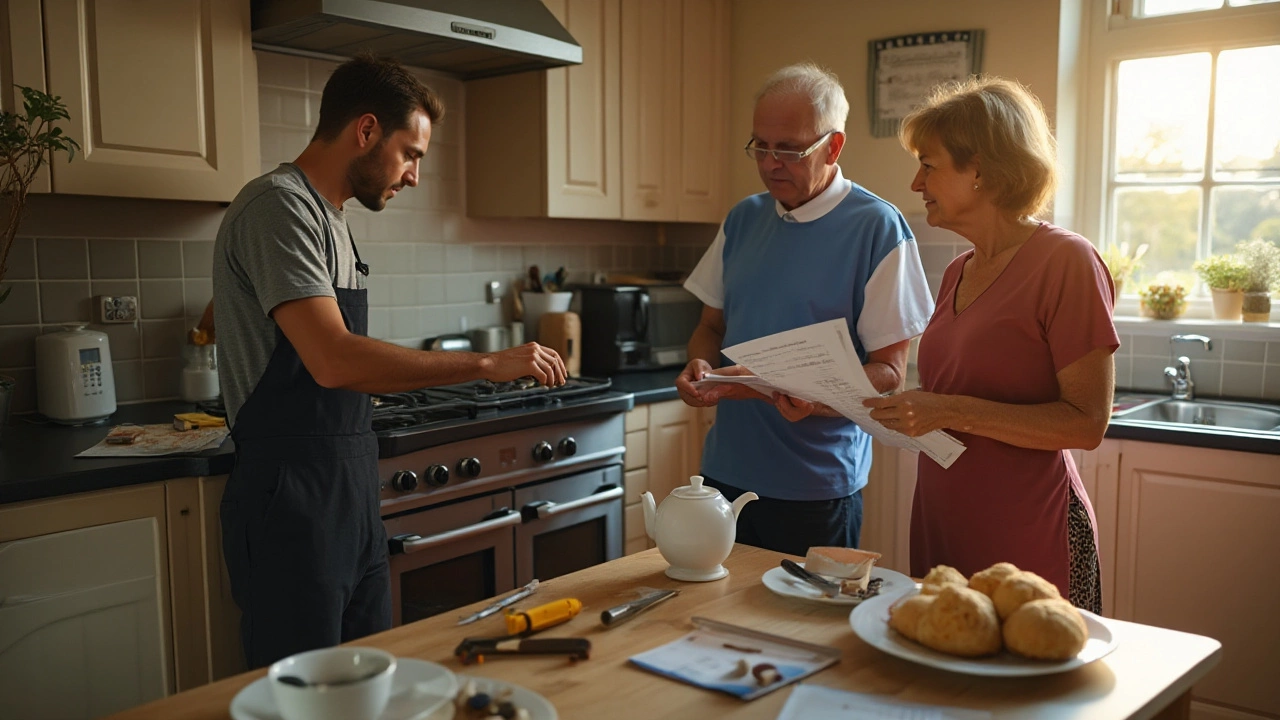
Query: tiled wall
point(430, 262)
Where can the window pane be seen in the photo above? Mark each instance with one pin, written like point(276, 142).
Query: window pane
point(1246, 142)
point(1238, 3)
point(1244, 213)
point(1166, 219)
point(1162, 117)
point(1151, 8)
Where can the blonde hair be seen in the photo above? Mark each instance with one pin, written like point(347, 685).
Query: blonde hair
point(1000, 123)
point(820, 86)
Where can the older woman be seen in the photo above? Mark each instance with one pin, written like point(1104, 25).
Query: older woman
point(1017, 359)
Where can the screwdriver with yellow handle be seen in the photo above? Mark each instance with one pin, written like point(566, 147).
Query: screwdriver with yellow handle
point(542, 617)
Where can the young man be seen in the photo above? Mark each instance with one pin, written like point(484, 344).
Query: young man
point(302, 537)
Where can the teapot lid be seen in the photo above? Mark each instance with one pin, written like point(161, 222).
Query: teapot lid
point(695, 490)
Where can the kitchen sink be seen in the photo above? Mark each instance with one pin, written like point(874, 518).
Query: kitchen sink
point(1215, 413)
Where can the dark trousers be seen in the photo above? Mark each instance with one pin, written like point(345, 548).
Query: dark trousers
point(794, 526)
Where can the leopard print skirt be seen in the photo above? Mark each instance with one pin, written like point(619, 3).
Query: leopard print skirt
point(1084, 586)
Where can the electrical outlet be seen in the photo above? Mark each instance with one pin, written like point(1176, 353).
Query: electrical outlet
point(493, 292)
point(118, 309)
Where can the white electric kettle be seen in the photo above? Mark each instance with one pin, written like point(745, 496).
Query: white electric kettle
point(74, 382)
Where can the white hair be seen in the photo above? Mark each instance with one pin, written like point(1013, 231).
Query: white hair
point(820, 86)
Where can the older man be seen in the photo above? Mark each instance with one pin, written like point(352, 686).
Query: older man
point(815, 247)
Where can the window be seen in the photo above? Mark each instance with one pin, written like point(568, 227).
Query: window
point(1182, 130)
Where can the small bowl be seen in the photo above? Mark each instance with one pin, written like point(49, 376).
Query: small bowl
point(364, 698)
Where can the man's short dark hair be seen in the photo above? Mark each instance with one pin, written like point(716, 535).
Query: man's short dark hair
point(381, 86)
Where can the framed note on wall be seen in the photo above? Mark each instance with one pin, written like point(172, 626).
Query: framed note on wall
point(902, 70)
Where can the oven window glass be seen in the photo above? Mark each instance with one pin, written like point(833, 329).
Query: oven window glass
point(560, 552)
point(446, 585)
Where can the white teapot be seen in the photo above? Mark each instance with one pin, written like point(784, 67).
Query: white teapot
point(695, 529)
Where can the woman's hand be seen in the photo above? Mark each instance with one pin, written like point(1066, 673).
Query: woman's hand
point(794, 409)
point(912, 413)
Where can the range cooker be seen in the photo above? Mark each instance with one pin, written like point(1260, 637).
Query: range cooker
point(486, 486)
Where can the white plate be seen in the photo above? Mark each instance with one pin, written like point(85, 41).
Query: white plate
point(783, 583)
point(418, 688)
point(870, 621)
point(539, 707)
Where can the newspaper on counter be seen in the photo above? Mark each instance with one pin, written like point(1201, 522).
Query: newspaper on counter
point(158, 440)
point(818, 363)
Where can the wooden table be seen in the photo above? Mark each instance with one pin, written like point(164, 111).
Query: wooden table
point(1150, 673)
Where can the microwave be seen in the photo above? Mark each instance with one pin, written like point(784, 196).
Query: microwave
point(636, 327)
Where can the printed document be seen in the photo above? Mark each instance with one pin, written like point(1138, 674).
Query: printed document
point(818, 363)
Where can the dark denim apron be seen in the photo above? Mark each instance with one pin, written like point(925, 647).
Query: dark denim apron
point(304, 544)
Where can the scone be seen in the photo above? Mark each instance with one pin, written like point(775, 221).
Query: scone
point(1046, 630)
point(905, 615)
point(851, 566)
point(960, 622)
point(986, 581)
point(1021, 587)
point(940, 576)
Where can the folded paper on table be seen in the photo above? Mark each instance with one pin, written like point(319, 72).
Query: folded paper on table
point(813, 702)
point(818, 363)
point(713, 656)
point(162, 440)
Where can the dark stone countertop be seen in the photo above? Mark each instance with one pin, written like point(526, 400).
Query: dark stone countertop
point(648, 386)
point(37, 458)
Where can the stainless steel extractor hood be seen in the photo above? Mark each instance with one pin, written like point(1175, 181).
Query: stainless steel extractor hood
point(469, 38)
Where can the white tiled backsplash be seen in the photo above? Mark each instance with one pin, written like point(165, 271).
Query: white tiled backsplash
point(430, 261)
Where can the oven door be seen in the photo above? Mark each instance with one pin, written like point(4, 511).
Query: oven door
point(447, 556)
point(570, 523)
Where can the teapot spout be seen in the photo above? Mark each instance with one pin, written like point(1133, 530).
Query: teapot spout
point(742, 500)
point(650, 510)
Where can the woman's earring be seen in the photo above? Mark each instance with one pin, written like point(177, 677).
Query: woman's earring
point(975, 186)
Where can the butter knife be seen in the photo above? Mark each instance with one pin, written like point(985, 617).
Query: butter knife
point(828, 588)
point(528, 590)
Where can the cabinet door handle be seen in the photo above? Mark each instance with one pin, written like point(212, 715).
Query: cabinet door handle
point(544, 508)
point(413, 543)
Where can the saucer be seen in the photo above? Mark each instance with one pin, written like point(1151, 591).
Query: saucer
point(538, 706)
point(777, 580)
point(418, 690)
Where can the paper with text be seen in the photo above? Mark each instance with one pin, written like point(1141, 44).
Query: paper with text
point(818, 363)
point(814, 702)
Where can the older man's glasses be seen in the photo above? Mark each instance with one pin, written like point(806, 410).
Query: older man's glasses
point(786, 156)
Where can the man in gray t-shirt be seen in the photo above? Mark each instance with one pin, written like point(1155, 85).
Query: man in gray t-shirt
point(301, 534)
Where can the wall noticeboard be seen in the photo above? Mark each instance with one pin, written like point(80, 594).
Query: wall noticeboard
point(902, 70)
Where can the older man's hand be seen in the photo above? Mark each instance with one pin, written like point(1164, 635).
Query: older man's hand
point(707, 397)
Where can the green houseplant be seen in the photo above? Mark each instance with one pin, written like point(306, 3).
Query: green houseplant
point(1262, 258)
point(1226, 277)
point(1163, 302)
point(1121, 264)
point(27, 140)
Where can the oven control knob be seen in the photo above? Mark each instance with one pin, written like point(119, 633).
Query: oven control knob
point(405, 481)
point(543, 452)
point(469, 467)
point(568, 446)
point(437, 475)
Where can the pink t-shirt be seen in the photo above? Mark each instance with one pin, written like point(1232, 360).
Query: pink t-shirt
point(1050, 307)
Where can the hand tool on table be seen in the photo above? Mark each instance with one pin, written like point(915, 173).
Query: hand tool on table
point(525, 592)
point(475, 649)
point(542, 617)
point(828, 588)
point(619, 614)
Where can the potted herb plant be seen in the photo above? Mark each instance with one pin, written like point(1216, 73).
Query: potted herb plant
point(1262, 258)
point(1121, 264)
point(1163, 302)
point(28, 139)
point(1226, 277)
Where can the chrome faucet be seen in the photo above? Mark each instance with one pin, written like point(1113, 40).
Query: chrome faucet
point(1183, 386)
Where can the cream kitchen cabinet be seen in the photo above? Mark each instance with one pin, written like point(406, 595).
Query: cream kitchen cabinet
point(664, 448)
point(637, 132)
point(162, 93)
point(675, 80)
point(1197, 546)
point(84, 604)
point(548, 143)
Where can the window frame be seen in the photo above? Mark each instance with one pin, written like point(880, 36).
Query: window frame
point(1113, 36)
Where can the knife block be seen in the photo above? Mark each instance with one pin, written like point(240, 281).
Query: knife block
point(562, 332)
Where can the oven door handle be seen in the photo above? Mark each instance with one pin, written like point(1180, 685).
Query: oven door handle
point(545, 508)
point(413, 543)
